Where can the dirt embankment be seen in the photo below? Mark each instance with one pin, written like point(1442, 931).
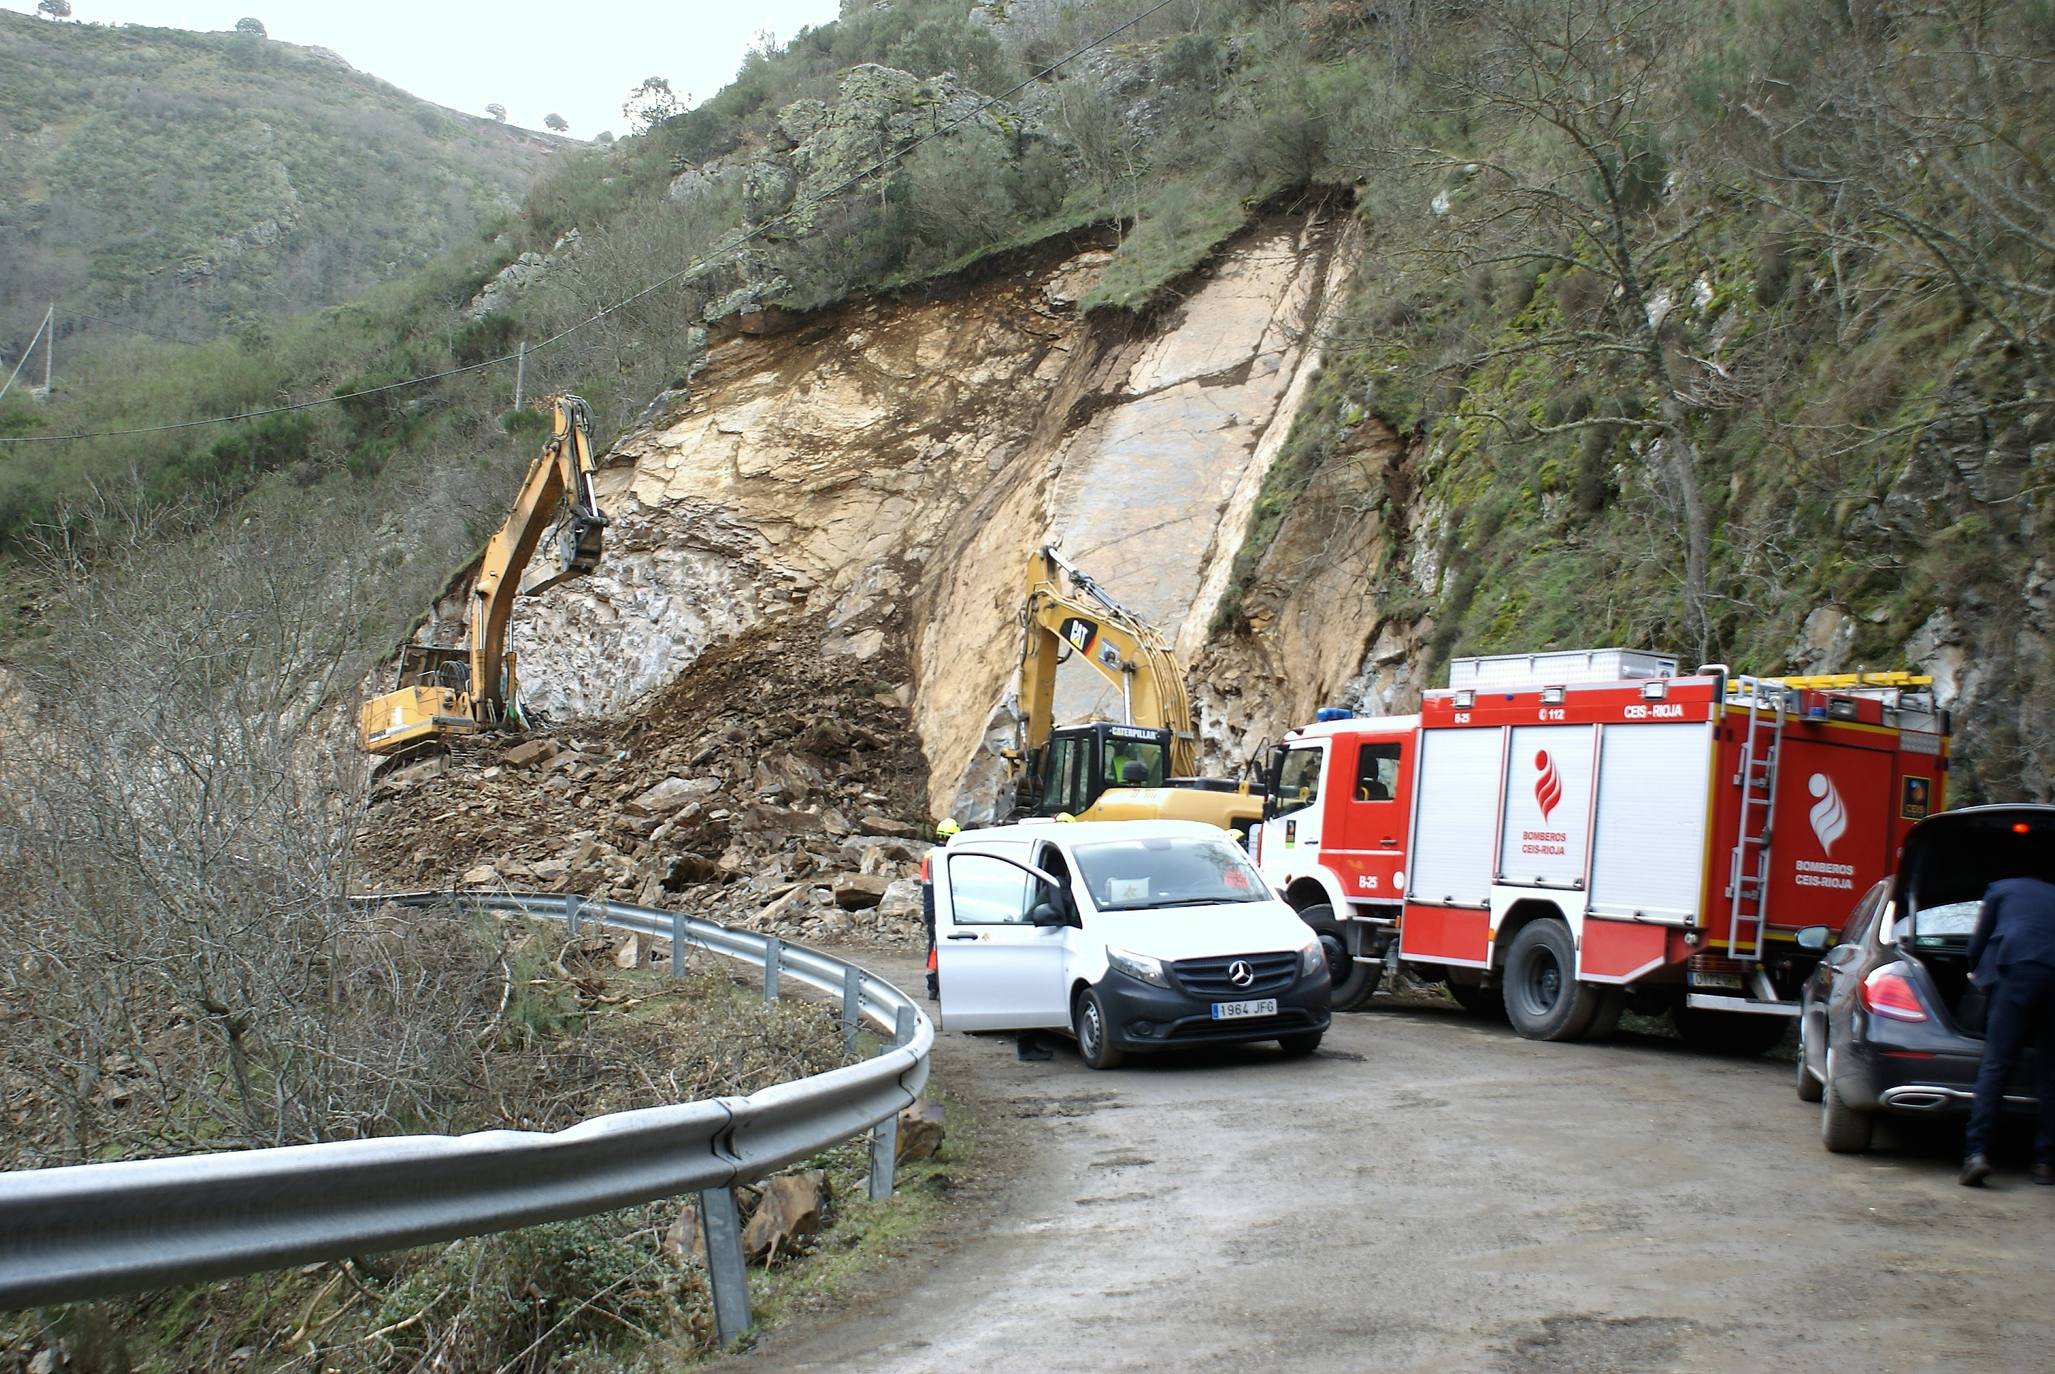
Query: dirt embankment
point(766, 787)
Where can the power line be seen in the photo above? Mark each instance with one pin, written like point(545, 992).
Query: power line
point(733, 247)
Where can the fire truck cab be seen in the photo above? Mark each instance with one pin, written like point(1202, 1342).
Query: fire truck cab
point(1571, 834)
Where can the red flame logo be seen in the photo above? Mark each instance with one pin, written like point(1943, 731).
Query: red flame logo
point(1548, 788)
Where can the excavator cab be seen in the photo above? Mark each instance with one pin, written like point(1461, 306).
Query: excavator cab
point(1080, 761)
point(433, 701)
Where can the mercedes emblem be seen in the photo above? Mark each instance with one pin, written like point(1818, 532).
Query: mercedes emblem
point(1240, 974)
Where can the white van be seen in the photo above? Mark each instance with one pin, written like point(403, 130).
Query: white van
point(1131, 935)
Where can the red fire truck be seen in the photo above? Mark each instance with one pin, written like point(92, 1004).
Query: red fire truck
point(1572, 834)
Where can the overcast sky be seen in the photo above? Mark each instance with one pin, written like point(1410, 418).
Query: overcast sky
point(576, 60)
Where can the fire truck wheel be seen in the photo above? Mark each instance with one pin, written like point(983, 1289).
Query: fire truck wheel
point(1611, 1003)
point(1094, 1045)
point(1353, 982)
point(1843, 1130)
point(1727, 1032)
point(1478, 1000)
point(1544, 1000)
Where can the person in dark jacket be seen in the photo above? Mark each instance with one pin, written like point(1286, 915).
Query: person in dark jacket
point(2012, 958)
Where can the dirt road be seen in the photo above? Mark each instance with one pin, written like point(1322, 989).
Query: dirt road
point(1434, 1193)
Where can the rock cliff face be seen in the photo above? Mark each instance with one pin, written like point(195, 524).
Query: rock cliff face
point(880, 476)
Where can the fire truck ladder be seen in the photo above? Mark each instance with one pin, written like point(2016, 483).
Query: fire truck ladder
point(1748, 875)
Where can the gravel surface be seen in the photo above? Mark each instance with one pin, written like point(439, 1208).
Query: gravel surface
point(1434, 1193)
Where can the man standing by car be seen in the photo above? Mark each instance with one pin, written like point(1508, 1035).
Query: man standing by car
point(2012, 958)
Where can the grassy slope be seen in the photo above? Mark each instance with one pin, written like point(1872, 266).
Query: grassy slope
point(1832, 472)
point(176, 182)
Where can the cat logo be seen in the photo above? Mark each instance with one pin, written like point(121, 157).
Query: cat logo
point(1078, 633)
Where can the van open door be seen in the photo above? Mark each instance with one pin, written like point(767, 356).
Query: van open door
point(998, 969)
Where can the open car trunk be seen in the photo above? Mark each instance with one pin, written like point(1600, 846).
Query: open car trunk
point(1949, 969)
point(1950, 859)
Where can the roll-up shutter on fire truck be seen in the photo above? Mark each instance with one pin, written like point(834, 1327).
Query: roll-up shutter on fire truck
point(1650, 856)
point(1452, 834)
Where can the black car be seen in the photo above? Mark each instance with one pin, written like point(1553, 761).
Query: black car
point(1890, 1021)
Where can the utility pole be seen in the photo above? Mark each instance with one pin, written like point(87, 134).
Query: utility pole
point(44, 331)
point(49, 343)
point(520, 372)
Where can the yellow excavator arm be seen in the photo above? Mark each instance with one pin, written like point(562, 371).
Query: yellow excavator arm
point(1069, 615)
point(444, 692)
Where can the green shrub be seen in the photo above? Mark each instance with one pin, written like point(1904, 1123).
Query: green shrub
point(490, 336)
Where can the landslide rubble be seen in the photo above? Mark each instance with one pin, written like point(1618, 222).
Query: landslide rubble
point(765, 787)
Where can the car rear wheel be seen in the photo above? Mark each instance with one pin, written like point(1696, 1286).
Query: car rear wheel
point(1353, 982)
point(1544, 1000)
point(1843, 1129)
point(1094, 1032)
point(1299, 1046)
point(1809, 1089)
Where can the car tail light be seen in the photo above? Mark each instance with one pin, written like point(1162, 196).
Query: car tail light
point(1889, 993)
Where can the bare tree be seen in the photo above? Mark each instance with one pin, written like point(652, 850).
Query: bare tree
point(181, 968)
point(1567, 91)
point(1918, 149)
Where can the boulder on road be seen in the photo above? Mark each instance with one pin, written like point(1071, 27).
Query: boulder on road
point(901, 900)
point(871, 823)
point(671, 794)
point(530, 753)
point(789, 1211)
point(920, 1131)
point(859, 891)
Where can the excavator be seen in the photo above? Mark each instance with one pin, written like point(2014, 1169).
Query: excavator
point(1140, 767)
point(447, 692)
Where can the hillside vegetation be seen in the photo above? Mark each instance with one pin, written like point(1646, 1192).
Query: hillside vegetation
point(181, 185)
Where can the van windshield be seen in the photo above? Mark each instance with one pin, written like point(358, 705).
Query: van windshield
point(1140, 875)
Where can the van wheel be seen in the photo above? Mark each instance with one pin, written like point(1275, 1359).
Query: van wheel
point(1809, 1087)
point(1299, 1046)
point(1544, 1000)
point(1094, 1038)
point(1353, 982)
point(1843, 1129)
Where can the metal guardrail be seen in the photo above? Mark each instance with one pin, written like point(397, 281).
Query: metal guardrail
point(90, 1230)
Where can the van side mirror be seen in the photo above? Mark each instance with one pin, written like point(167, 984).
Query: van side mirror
point(1045, 915)
point(1814, 939)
